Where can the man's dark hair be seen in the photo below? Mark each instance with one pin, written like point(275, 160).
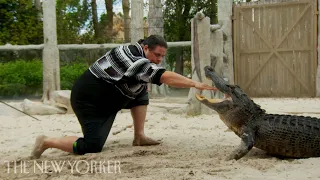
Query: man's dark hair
point(154, 40)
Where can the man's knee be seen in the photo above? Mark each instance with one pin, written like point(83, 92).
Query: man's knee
point(81, 146)
point(139, 101)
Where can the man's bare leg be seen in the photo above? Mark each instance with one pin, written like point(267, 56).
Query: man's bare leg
point(139, 114)
point(43, 142)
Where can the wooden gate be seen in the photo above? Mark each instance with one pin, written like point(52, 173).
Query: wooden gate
point(275, 53)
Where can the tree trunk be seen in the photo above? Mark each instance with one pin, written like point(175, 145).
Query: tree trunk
point(183, 15)
point(109, 7)
point(155, 21)
point(179, 60)
point(39, 9)
point(126, 9)
point(51, 64)
point(95, 20)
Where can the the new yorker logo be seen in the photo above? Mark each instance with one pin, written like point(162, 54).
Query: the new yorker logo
point(52, 166)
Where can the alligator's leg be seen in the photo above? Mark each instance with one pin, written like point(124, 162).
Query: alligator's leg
point(247, 142)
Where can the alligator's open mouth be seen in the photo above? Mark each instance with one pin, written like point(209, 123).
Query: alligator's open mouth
point(201, 98)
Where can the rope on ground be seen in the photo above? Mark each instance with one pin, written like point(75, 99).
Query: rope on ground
point(19, 110)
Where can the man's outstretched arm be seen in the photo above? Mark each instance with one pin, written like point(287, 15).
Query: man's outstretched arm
point(176, 80)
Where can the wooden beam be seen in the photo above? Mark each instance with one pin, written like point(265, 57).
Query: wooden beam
point(250, 6)
point(9, 47)
point(81, 46)
point(250, 51)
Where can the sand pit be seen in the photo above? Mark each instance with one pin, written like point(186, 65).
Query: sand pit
point(191, 148)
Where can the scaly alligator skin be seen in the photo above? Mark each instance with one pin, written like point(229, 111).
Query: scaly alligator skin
point(279, 135)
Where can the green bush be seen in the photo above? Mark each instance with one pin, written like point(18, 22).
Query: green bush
point(20, 78)
point(70, 73)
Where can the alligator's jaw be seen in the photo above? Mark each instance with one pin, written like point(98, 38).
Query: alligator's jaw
point(225, 109)
point(201, 98)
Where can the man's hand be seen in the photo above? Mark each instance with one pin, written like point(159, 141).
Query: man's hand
point(203, 86)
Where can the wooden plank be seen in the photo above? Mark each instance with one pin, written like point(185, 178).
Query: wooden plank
point(275, 88)
point(82, 46)
point(249, 51)
point(314, 42)
point(290, 70)
point(265, 32)
point(252, 63)
point(293, 25)
point(243, 6)
point(285, 44)
point(297, 40)
point(237, 34)
point(259, 33)
point(257, 42)
point(289, 35)
point(304, 58)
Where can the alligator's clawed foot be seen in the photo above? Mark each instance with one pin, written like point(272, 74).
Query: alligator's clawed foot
point(234, 156)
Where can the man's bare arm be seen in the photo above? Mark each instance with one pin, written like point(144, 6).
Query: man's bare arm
point(176, 80)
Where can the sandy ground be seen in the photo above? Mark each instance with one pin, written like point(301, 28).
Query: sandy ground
point(192, 147)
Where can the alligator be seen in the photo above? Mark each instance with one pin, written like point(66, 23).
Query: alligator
point(279, 135)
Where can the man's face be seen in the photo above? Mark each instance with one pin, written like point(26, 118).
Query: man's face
point(156, 55)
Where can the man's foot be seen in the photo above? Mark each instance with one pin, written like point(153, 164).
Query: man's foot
point(144, 141)
point(38, 147)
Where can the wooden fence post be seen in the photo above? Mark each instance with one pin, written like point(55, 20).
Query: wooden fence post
point(200, 50)
point(216, 56)
point(225, 20)
point(318, 49)
point(137, 30)
point(155, 21)
point(50, 56)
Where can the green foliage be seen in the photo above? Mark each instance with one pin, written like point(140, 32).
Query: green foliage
point(178, 15)
point(208, 7)
point(19, 23)
point(72, 17)
point(171, 58)
point(177, 27)
point(20, 78)
point(70, 73)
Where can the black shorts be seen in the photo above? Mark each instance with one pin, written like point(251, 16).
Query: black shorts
point(96, 104)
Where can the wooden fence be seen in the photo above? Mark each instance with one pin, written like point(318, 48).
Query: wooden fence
point(275, 48)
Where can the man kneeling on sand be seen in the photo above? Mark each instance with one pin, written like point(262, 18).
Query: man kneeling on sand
point(118, 80)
